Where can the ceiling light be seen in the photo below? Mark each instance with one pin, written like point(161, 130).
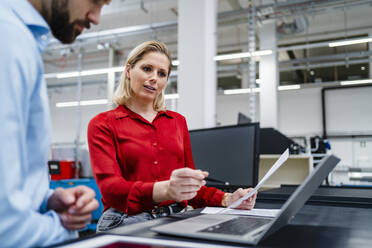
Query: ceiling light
point(236, 91)
point(82, 103)
point(116, 31)
point(100, 102)
point(242, 55)
point(175, 62)
point(240, 91)
point(262, 53)
point(256, 90)
point(107, 45)
point(289, 87)
point(100, 46)
point(232, 56)
point(349, 42)
point(50, 75)
point(171, 96)
point(90, 72)
point(352, 82)
point(85, 72)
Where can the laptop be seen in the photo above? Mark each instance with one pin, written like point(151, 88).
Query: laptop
point(250, 229)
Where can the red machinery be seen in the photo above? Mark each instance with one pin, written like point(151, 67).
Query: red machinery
point(62, 170)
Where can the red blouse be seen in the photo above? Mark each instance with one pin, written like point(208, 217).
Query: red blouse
point(128, 154)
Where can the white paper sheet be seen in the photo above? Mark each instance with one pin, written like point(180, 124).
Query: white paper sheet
point(254, 212)
point(276, 166)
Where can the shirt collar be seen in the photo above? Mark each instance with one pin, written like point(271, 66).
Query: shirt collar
point(122, 111)
point(166, 113)
point(33, 20)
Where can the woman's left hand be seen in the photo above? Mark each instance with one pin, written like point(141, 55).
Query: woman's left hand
point(246, 204)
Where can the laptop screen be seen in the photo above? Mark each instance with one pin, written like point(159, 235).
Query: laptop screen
point(228, 153)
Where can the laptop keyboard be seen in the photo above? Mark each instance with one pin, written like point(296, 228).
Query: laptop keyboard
point(237, 226)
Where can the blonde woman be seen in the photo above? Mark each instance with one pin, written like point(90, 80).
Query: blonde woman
point(140, 152)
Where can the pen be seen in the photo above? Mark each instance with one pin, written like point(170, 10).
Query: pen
point(210, 179)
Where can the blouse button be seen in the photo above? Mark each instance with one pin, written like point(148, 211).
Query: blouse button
point(154, 144)
point(156, 162)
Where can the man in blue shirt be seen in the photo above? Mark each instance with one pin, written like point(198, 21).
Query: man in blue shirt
point(30, 213)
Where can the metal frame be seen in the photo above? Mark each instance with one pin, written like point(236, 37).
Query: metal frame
point(324, 114)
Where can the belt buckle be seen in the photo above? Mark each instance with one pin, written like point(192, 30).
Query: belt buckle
point(175, 208)
point(157, 211)
point(153, 211)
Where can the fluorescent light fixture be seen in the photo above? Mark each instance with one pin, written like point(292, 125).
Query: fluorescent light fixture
point(86, 72)
point(232, 56)
point(91, 72)
point(240, 91)
point(174, 63)
point(176, 96)
point(68, 74)
point(350, 42)
point(262, 53)
point(256, 90)
point(50, 75)
point(352, 82)
point(359, 175)
point(100, 102)
point(242, 55)
point(82, 103)
point(113, 32)
point(109, 32)
point(237, 91)
point(171, 96)
point(289, 87)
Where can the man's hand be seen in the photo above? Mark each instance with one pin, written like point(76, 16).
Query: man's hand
point(183, 184)
point(74, 205)
point(229, 198)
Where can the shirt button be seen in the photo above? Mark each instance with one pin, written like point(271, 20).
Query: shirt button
point(154, 144)
point(44, 37)
point(156, 162)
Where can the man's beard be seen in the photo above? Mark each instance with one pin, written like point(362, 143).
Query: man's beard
point(59, 23)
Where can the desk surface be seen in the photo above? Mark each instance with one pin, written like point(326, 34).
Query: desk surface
point(313, 226)
point(335, 196)
point(330, 191)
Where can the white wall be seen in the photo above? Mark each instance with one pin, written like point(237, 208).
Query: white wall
point(228, 107)
point(64, 120)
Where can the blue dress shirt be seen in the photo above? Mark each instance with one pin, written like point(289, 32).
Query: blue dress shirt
point(25, 131)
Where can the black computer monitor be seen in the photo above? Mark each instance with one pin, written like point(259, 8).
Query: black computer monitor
point(243, 119)
point(274, 142)
point(228, 153)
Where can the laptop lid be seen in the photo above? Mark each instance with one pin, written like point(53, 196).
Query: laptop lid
point(302, 193)
point(288, 211)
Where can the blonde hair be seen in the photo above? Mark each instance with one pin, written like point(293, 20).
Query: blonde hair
point(124, 92)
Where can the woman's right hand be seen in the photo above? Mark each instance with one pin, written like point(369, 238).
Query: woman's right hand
point(183, 184)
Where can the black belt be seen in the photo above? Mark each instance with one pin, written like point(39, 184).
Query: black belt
point(166, 210)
